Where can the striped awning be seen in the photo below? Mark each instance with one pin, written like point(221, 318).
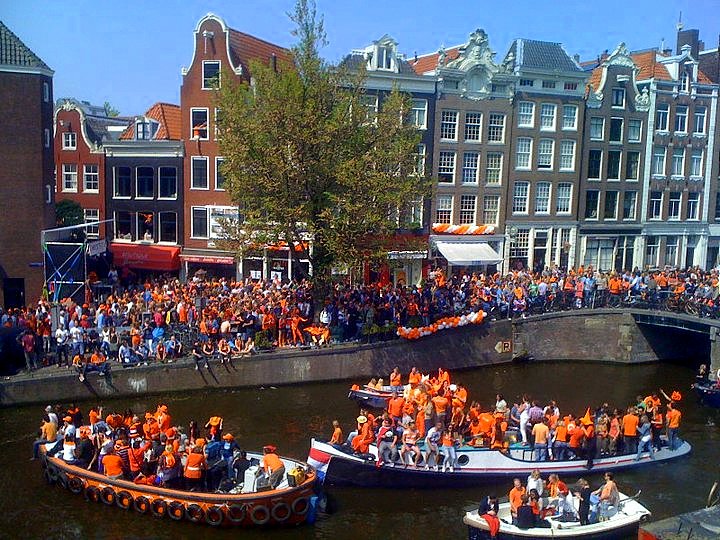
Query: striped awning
point(446, 228)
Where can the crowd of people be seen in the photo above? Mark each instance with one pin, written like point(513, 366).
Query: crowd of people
point(150, 449)
point(164, 318)
point(437, 413)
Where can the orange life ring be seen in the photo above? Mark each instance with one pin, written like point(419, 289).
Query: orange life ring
point(235, 513)
point(280, 512)
point(264, 514)
point(176, 510)
point(301, 505)
point(76, 485)
point(92, 493)
point(124, 500)
point(214, 516)
point(194, 513)
point(158, 508)
point(141, 505)
point(108, 495)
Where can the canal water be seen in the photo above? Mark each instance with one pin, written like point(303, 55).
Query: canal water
point(289, 416)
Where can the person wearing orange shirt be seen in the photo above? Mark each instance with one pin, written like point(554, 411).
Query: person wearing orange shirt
point(361, 441)
point(629, 430)
point(113, 465)
point(414, 377)
point(195, 468)
point(672, 420)
point(337, 437)
point(396, 380)
point(440, 403)
point(515, 497)
point(395, 407)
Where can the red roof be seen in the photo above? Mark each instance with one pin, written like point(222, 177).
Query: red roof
point(646, 62)
point(244, 47)
point(429, 62)
point(167, 115)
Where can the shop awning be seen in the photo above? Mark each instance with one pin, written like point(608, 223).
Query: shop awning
point(202, 259)
point(468, 253)
point(146, 257)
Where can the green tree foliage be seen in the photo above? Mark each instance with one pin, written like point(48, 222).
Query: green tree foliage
point(304, 159)
point(110, 110)
point(68, 213)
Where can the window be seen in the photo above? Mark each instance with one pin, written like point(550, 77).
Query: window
point(520, 198)
point(446, 166)
point(564, 195)
point(92, 215)
point(91, 178)
point(696, 161)
point(420, 160)
point(370, 105)
point(542, 198)
point(594, 164)
point(218, 123)
point(652, 250)
point(611, 200)
point(678, 162)
point(661, 118)
point(470, 168)
point(145, 226)
point(123, 226)
point(145, 182)
point(656, 200)
point(473, 126)
point(569, 117)
point(467, 209)
point(496, 128)
point(69, 173)
point(616, 129)
point(548, 84)
point(526, 82)
point(123, 182)
point(418, 116)
point(168, 183)
point(168, 227)
point(684, 82)
point(219, 176)
point(597, 128)
point(211, 75)
point(47, 138)
point(46, 92)
point(522, 156)
point(491, 206)
point(384, 58)
point(693, 204)
point(547, 117)
point(592, 197)
point(520, 247)
point(618, 97)
point(699, 120)
point(199, 124)
point(448, 125)
point(546, 148)
point(658, 161)
point(494, 167)
point(671, 250)
point(681, 113)
point(629, 204)
point(567, 155)
point(674, 205)
point(632, 165)
point(443, 212)
point(570, 86)
point(634, 130)
point(526, 114)
point(199, 173)
point(143, 130)
point(69, 140)
point(199, 223)
point(613, 170)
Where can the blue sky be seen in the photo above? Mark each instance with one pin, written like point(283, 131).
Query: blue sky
point(130, 52)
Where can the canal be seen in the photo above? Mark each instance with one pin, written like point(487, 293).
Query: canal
point(289, 416)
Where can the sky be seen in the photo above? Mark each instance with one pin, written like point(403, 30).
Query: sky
point(130, 52)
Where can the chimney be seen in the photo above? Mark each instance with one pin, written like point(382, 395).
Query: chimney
point(689, 37)
point(273, 62)
point(604, 55)
point(576, 57)
point(415, 57)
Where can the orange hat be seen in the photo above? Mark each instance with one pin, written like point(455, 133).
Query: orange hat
point(228, 437)
point(676, 396)
point(67, 419)
point(215, 420)
point(200, 442)
point(586, 420)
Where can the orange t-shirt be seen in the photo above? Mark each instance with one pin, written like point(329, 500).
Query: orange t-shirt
point(673, 418)
point(395, 406)
point(113, 465)
point(630, 425)
point(515, 497)
point(441, 403)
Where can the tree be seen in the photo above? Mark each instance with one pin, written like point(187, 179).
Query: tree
point(111, 111)
point(306, 161)
point(68, 212)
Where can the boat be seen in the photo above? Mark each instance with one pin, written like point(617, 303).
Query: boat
point(709, 393)
point(367, 396)
point(622, 521)
point(252, 507)
point(475, 465)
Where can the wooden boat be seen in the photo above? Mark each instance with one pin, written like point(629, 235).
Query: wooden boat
point(622, 522)
point(370, 397)
point(709, 393)
point(474, 466)
point(285, 505)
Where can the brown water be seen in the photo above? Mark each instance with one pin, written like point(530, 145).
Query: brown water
point(289, 416)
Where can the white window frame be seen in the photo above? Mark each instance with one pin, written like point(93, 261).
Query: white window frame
point(133, 217)
point(69, 173)
point(370, 104)
point(677, 163)
point(495, 169)
point(159, 227)
point(218, 161)
point(445, 167)
point(526, 119)
point(137, 179)
point(159, 184)
point(476, 126)
point(446, 206)
point(600, 168)
point(206, 110)
point(564, 200)
point(420, 156)
point(543, 154)
point(467, 211)
point(700, 113)
point(69, 141)
point(662, 118)
point(192, 222)
point(681, 112)
point(637, 168)
point(633, 213)
point(674, 205)
point(544, 116)
point(618, 91)
point(469, 167)
point(693, 206)
point(115, 174)
point(597, 205)
point(638, 124)
point(619, 165)
point(419, 113)
point(543, 196)
point(655, 206)
point(46, 92)
point(88, 175)
point(614, 215)
point(602, 128)
point(216, 123)
point(496, 127)
point(696, 165)
point(448, 124)
point(658, 163)
point(566, 126)
point(521, 196)
point(92, 215)
point(491, 207)
point(219, 74)
point(567, 155)
point(523, 153)
point(192, 173)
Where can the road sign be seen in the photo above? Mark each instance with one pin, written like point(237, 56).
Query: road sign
point(503, 347)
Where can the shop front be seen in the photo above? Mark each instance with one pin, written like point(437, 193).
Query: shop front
point(208, 265)
point(145, 257)
point(462, 249)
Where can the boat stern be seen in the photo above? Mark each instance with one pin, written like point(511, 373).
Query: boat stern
point(319, 459)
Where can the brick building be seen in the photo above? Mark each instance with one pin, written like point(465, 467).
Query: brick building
point(26, 174)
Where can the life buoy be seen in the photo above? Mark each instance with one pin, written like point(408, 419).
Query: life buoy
point(235, 513)
point(124, 500)
point(158, 508)
point(76, 485)
point(280, 512)
point(194, 513)
point(141, 505)
point(214, 516)
point(176, 510)
point(260, 514)
point(301, 505)
point(92, 494)
point(108, 495)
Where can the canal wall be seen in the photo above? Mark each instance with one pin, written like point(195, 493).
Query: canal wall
point(611, 336)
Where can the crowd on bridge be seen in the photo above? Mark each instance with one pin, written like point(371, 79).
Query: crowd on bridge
point(164, 318)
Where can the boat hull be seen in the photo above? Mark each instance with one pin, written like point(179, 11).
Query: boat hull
point(278, 507)
point(369, 398)
point(621, 533)
point(709, 394)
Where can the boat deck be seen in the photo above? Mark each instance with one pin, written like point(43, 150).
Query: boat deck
point(699, 525)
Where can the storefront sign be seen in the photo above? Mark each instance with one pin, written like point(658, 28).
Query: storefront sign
point(208, 260)
point(163, 258)
point(97, 247)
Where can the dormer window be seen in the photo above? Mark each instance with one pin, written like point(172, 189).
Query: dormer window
point(384, 58)
point(685, 82)
point(145, 129)
point(211, 75)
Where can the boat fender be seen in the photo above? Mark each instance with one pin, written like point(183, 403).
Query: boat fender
point(300, 506)
point(235, 513)
point(108, 495)
point(92, 494)
point(141, 505)
point(195, 513)
point(158, 508)
point(124, 500)
point(76, 485)
point(280, 512)
point(260, 514)
point(214, 516)
point(176, 510)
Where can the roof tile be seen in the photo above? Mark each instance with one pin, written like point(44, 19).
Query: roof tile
point(244, 47)
point(13, 52)
point(169, 118)
point(429, 62)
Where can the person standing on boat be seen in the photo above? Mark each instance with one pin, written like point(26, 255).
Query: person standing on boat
point(541, 434)
point(515, 497)
point(396, 380)
point(560, 441)
point(535, 481)
point(431, 444)
point(524, 410)
point(557, 492)
point(365, 436)
point(645, 434)
point(229, 446)
point(395, 406)
point(441, 403)
point(583, 493)
point(272, 465)
point(672, 419)
point(608, 494)
point(447, 448)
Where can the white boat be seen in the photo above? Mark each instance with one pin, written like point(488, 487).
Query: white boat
point(622, 522)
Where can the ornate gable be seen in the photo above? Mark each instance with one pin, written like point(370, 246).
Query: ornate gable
point(621, 58)
point(474, 67)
